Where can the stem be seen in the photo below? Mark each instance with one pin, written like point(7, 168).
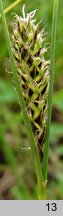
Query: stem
point(14, 4)
point(53, 44)
point(34, 148)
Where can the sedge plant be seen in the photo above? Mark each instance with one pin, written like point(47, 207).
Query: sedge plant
point(34, 84)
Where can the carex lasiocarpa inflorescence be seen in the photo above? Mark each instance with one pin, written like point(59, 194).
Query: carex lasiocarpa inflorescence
point(33, 71)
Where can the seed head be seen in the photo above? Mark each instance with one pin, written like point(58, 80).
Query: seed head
point(33, 71)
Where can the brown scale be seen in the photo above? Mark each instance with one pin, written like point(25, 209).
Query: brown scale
point(17, 60)
point(33, 41)
point(32, 72)
point(23, 53)
point(15, 48)
point(44, 90)
point(40, 152)
point(38, 120)
point(42, 138)
point(29, 61)
point(38, 53)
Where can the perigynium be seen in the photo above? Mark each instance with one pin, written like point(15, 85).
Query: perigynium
point(33, 71)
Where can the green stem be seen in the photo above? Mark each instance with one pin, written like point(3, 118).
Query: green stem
point(53, 44)
point(34, 148)
point(14, 4)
